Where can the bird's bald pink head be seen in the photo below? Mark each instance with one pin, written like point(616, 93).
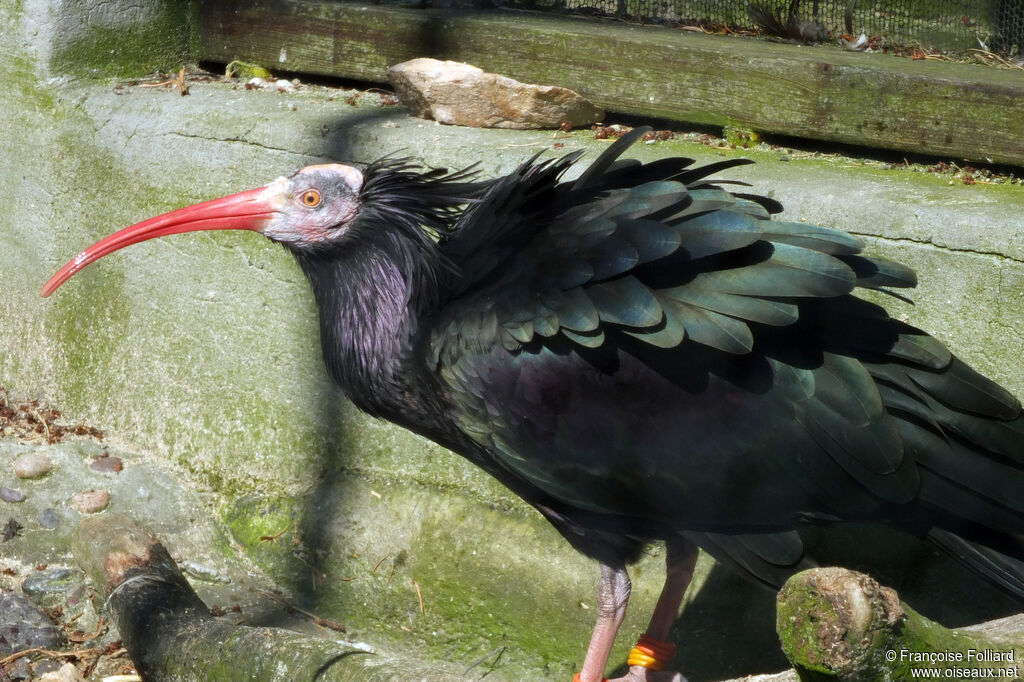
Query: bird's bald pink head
point(311, 205)
point(314, 204)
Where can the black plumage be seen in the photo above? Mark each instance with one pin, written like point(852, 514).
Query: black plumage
point(663, 356)
point(642, 355)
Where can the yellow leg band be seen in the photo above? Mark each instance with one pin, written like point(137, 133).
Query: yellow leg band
point(651, 653)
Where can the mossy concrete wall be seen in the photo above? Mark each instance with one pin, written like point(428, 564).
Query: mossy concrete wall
point(202, 349)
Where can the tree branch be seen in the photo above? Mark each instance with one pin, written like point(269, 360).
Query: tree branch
point(171, 636)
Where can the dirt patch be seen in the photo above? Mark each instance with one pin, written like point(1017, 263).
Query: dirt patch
point(34, 422)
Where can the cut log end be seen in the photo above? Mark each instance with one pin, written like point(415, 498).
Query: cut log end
point(837, 624)
point(830, 619)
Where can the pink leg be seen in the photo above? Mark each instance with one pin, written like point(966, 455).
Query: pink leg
point(612, 596)
point(680, 559)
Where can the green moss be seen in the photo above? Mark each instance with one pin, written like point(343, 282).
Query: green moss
point(366, 553)
point(88, 335)
point(504, 600)
point(253, 518)
point(20, 85)
point(245, 70)
point(162, 44)
point(86, 321)
point(798, 621)
point(923, 636)
point(740, 137)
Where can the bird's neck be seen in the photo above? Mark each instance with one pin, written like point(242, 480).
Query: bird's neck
point(374, 296)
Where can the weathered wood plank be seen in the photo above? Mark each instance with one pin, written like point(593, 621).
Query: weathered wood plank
point(954, 110)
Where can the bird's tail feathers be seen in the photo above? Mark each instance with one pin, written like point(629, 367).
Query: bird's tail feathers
point(766, 558)
point(999, 569)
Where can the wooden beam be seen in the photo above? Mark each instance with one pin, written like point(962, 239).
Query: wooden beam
point(945, 109)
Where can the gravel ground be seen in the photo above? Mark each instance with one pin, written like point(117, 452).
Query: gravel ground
point(53, 473)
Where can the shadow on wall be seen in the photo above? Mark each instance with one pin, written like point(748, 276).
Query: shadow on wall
point(321, 510)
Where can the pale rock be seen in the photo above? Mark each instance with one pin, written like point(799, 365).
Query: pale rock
point(66, 673)
point(32, 465)
point(91, 501)
point(462, 94)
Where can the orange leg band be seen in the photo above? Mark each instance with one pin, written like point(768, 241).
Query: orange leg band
point(651, 653)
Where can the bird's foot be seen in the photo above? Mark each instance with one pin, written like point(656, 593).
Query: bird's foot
point(638, 673)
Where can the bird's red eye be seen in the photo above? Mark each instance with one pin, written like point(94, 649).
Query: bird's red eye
point(311, 198)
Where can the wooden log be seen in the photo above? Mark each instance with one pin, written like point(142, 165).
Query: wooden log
point(955, 110)
point(171, 636)
point(839, 625)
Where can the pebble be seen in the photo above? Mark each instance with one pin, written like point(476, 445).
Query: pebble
point(66, 673)
point(107, 464)
point(281, 84)
point(11, 494)
point(19, 670)
point(23, 626)
point(48, 586)
point(32, 465)
point(75, 598)
point(49, 519)
point(43, 666)
point(203, 572)
point(91, 501)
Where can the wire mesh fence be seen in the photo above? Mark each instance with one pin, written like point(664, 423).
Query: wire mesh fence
point(946, 25)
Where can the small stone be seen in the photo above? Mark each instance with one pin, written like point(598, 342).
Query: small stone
point(11, 494)
point(32, 465)
point(75, 598)
point(203, 572)
point(50, 586)
point(23, 626)
point(20, 670)
point(49, 518)
point(66, 673)
point(91, 501)
point(44, 666)
point(107, 464)
point(462, 94)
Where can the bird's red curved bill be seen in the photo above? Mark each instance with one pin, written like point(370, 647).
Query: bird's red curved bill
point(247, 210)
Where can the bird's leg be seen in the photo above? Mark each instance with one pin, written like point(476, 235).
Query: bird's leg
point(612, 598)
point(680, 559)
